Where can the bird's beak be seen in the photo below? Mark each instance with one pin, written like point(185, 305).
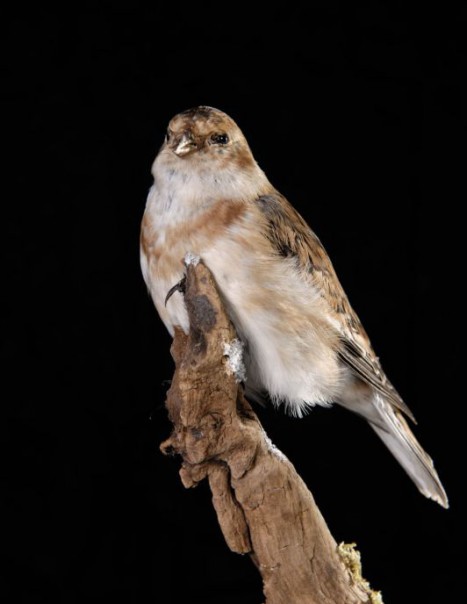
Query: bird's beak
point(184, 144)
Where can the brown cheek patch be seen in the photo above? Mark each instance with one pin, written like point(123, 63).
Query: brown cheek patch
point(243, 159)
point(234, 157)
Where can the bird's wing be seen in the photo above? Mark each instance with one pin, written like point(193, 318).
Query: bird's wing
point(291, 237)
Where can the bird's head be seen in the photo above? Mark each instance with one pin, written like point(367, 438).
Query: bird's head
point(206, 134)
point(205, 150)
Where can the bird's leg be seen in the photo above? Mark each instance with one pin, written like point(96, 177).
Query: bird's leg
point(178, 287)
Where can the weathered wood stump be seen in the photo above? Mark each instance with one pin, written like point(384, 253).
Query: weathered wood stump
point(263, 506)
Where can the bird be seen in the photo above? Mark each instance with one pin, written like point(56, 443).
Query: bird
point(304, 345)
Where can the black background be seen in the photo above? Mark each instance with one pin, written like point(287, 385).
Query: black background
point(356, 113)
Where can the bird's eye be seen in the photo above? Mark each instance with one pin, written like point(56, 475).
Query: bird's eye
point(220, 139)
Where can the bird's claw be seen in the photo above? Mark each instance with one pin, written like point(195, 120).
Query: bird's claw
point(178, 287)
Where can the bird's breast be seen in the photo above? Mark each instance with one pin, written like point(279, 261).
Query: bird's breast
point(165, 243)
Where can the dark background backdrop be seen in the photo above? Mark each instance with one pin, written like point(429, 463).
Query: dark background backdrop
point(357, 116)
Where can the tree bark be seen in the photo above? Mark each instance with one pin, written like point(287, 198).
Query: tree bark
point(263, 506)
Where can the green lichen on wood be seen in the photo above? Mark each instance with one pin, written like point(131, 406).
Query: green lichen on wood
point(352, 560)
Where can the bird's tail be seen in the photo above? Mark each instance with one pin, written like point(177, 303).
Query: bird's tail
point(399, 439)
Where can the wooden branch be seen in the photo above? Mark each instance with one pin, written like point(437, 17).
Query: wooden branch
point(263, 506)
